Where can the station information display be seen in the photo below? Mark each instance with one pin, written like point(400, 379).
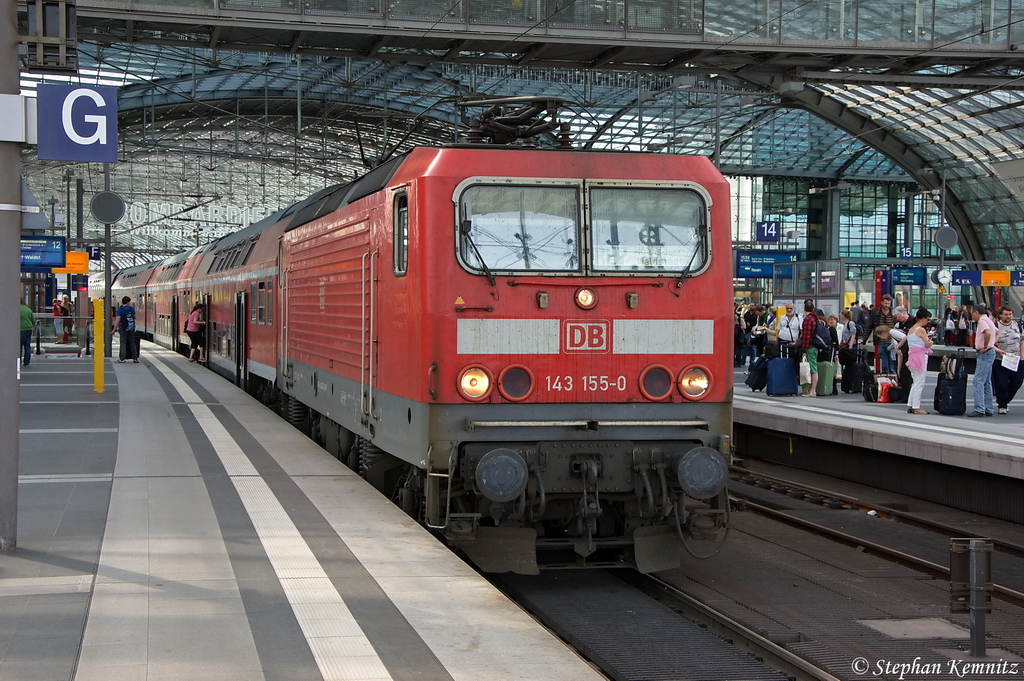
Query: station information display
point(40, 254)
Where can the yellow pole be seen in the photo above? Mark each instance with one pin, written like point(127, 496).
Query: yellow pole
point(99, 333)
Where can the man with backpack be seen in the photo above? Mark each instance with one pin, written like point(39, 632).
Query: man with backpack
point(124, 324)
point(811, 340)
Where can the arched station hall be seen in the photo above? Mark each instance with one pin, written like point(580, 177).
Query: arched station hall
point(858, 134)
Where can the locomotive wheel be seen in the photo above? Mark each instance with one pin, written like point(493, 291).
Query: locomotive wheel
point(410, 496)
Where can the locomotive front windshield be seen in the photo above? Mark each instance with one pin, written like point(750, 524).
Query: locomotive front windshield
point(632, 230)
point(647, 230)
point(521, 228)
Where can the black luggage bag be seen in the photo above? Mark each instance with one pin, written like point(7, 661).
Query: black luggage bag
point(860, 374)
point(853, 378)
point(951, 396)
point(757, 379)
point(951, 388)
point(869, 389)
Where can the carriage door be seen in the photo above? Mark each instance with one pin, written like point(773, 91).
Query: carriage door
point(283, 368)
point(241, 324)
point(368, 332)
point(367, 287)
point(173, 325)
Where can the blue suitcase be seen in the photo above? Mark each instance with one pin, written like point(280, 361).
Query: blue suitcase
point(783, 378)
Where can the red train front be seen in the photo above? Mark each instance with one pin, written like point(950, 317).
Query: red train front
point(529, 350)
point(532, 348)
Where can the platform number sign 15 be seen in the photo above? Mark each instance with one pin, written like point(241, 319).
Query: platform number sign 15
point(906, 253)
point(768, 231)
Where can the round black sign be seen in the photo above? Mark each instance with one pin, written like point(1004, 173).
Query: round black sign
point(107, 207)
point(945, 238)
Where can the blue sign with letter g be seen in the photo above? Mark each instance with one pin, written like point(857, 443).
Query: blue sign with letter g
point(77, 123)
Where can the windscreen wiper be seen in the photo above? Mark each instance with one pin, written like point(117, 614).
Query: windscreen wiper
point(466, 227)
point(702, 231)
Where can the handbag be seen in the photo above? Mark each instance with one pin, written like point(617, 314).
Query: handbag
point(805, 372)
point(885, 384)
point(962, 324)
point(949, 325)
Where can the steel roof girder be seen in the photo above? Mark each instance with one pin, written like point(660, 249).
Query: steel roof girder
point(889, 143)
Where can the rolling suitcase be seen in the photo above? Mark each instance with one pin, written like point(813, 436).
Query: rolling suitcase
point(853, 378)
point(757, 379)
point(951, 395)
point(865, 367)
point(783, 378)
point(826, 379)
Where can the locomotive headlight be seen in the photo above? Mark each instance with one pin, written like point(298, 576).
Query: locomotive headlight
point(694, 382)
point(702, 472)
point(586, 298)
point(475, 383)
point(501, 475)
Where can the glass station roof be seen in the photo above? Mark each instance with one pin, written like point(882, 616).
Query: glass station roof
point(210, 139)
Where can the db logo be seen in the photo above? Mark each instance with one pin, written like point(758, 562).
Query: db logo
point(586, 336)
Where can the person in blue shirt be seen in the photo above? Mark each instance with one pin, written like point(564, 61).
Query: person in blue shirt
point(124, 324)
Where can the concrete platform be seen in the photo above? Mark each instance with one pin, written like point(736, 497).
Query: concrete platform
point(990, 445)
point(173, 528)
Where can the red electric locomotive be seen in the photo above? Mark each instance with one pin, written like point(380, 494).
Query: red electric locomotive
point(530, 350)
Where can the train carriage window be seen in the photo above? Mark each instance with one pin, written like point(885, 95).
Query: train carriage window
point(252, 303)
point(636, 229)
point(401, 235)
point(262, 303)
point(517, 228)
point(270, 301)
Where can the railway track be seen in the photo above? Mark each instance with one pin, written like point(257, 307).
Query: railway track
point(638, 627)
point(698, 624)
point(837, 500)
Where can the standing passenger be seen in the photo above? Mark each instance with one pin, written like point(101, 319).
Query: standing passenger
point(124, 322)
point(759, 334)
point(810, 353)
point(883, 316)
point(58, 322)
point(749, 321)
point(788, 326)
point(835, 333)
point(984, 342)
point(194, 328)
point(904, 377)
point(28, 322)
point(963, 325)
point(850, 330)
point(862, 318)
point(919, 347)
point(1006, 382)
point(67, 311)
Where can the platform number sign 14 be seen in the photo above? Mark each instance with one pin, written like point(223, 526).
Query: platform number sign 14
point(768, 231)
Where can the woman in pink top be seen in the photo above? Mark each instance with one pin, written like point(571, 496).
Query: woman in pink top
point(194, 328)
point(919, 348)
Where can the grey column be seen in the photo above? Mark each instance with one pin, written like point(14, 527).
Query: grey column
point(10, 291)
